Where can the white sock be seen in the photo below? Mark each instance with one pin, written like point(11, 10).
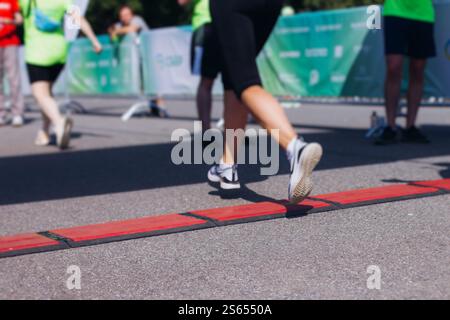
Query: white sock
point(224, 166)
point(290, 152)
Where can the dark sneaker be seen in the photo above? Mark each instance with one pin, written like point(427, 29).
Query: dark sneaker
point(414, 135)
point(158, 111)
point(388, 136)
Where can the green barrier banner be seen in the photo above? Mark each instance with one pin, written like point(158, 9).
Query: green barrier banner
point(313, 54)
point(335, 54)
point(166, 62)
point(438, 71)
point(321, 54)
point(115, 71)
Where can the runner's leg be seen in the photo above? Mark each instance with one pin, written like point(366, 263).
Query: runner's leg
point(42, 93)
point(205, 63)
point(236, 23)
point(236, 116)
point(237, 33)
point(49, 107)
point(204, 102)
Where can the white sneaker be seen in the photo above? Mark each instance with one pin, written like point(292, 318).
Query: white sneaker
point(227, 177)
point(306, 158)
point(17, 121)
point(42, 139)
point(63, 133)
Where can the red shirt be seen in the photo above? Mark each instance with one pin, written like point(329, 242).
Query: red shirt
point(8, 32)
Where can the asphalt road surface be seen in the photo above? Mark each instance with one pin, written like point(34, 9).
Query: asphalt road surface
point(116, 171)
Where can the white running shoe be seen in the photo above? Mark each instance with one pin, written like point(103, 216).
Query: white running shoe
point(306, 158)
point(228, 177)
point(63, 133)
point(42, 139)
point(17, 121)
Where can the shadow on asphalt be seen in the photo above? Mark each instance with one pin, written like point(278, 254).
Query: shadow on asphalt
point(244, 193)
point(104, 171)
point(249, 195)
point(78, 135)
point(445, 173)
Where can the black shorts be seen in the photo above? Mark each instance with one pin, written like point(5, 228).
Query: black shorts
point(410, 38)
point(205, 53)
point(47, 74)
point(243, 27)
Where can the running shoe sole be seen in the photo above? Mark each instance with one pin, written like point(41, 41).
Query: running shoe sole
point(42, 140)
point(65, 140)
point(310, 158)
point(229, 186)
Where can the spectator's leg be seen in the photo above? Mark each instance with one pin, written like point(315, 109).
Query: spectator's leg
point(415, 90)
point(204, 102)
point(236, 116)
point(13, 71)
point(393, 87)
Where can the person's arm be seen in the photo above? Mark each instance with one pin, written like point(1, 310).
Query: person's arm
point(126, 30)
point(86, 29)
point(116, 30)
